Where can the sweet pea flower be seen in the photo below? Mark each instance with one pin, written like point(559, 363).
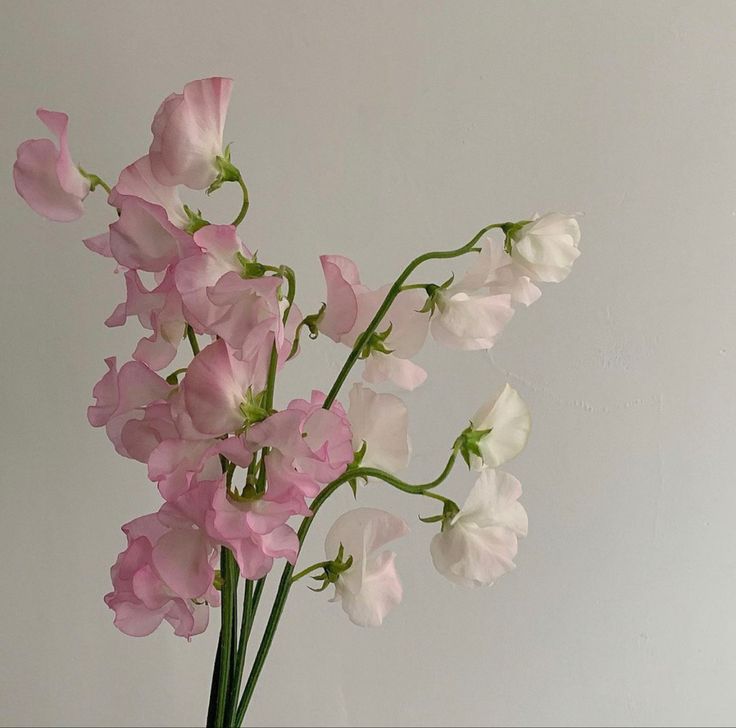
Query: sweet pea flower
point(159, 310)
point(315, 442)
point(137, 180)
point(46, 177)
point(494, 269)
point(350, 308)
point(469, 320)
point(143, 237)
point(508, 419)
point(121, 396)
point(547, 247)
point(380, 423)
point(219, 250)
point(158, 557)
point(187, 133)
point(478, 545)
point(216, 386)
point(254, 529)
point(370, 587)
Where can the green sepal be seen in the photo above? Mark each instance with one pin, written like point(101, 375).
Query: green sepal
point(196, 221)
point(227, 171)
point(252, 408)
point(218, 581)
point(376, 342)
point(250, 268)
point(510, 231)
point(468, 443)
point(311, 322)
point(434, 291)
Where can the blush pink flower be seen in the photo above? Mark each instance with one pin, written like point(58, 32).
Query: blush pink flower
point(317, 442)
point(143, 238)
point(165, 573)
point(216, 385)
point(159, 310)
point(350, 308)
point(137, 180)
point(187, 133)
point(45, 175)
point(121, 396)
point(219, 248)
point(254, 530)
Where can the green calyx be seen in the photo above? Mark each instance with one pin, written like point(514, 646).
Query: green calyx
point(468, 442)
point(227, 171)
point(312, 322)
point(511, 231)
point(196, 221)
point(357, 460)
point(377, 342)
point(253, 408)
point(434, 293)
point(331, 570)
point(449, 511)
point(251, 268)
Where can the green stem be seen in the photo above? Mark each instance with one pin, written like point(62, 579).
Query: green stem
point(394, 291)
point(246, 202)
point(192, 340)
point(286, 577)
point(309, 570)
point(226, 632)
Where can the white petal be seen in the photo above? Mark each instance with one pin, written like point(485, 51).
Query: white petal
point(510, 422)
point(381, 421)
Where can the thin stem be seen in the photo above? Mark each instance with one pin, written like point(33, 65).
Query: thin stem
point(246, 202)
point(226, 627)
point(309, 570)
point(286, 577)
point(192, 340)
point(214, 688)
point(393, 292)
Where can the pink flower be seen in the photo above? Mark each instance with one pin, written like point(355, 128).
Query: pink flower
point(254, 530)
point(123, 396)
point(137, 180)
point(187, 133)
point(219, 247)
point(143, 238)
point(316, 442)
point(159, 310)
point(45, 176)
point(165, 573)
point(350, 308)
point(370, 587)
point(215, 387)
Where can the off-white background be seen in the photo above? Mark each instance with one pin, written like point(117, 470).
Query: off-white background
point(380, 130)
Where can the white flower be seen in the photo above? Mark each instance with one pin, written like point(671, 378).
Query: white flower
point(479, 544)
point(381, 422)
point(370, 588)
point(494, 269)
point(508, 418)
point(547, 247)
point(469, 319)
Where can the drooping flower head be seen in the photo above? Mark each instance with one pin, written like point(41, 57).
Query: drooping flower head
point(370, 587)
point(45, 175)
point(547, 247)
point(478, 545)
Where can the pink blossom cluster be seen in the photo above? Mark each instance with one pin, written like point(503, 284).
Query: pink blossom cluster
point(231, 469)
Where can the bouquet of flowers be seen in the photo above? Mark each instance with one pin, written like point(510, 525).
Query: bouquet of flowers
point(241, 477)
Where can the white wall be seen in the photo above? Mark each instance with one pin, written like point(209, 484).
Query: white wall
point(380, 130)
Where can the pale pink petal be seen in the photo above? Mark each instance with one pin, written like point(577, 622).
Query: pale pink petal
point(188, 133)
point(143, 238)
point(137, 180)
point(403, 373)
